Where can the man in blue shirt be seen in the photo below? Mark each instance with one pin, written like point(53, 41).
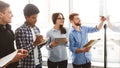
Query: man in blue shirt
point(78, 37)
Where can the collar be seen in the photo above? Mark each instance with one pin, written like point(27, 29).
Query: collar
point(53, 29)
point(5, 27)
point(27, 25)
point(73, 29)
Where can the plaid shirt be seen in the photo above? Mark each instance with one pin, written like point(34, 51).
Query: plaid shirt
point(24, 39)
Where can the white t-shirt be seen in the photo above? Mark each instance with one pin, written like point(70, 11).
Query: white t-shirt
point(35, 49)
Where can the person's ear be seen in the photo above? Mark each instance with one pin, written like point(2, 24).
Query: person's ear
point(1, 14)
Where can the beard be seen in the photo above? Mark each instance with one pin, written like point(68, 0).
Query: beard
point(78, 24)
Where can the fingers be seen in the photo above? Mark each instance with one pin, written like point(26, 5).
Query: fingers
point(65, 40)
point(103, 18)
point(22, 53)
point(39, 39)
point(87, 48)
point(54, 43)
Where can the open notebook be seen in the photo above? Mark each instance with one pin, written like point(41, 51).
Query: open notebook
point(43, 42)
point(7, 58)
point(91, 42)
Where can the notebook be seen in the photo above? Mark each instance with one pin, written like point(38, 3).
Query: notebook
point(91, 42)
point(7, 58)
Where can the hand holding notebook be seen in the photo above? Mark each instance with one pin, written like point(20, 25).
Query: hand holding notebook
point(43, 42)
point(40, 41)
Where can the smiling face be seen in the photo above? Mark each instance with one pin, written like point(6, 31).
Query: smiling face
point(60, 20)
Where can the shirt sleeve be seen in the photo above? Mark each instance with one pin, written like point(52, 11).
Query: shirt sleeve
point(72, 43)
point(21, 41)
point(49, 41)
point(91, 29)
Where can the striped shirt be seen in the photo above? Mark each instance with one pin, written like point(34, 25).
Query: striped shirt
point(24, 39)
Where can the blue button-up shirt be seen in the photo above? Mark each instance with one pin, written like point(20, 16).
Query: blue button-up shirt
point(77, 39)
point(58, 53)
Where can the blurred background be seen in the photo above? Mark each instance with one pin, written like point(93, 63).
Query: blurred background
point(90, 12)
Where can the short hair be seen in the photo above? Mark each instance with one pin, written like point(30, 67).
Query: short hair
point(30, 9)
point(71, 16)
point(3, 6)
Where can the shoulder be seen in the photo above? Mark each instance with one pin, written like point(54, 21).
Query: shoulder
point(36, 28)
point(21, 28)
point(50, 31)
point(84, 27)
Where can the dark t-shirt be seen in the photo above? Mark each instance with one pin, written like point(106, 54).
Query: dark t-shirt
point(6, 42)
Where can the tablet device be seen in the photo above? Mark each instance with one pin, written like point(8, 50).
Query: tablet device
point(60, 41)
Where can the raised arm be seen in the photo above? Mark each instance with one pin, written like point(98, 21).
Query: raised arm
point(102, 19)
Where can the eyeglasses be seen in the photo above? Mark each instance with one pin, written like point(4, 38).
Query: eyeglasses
point(61, 18)
point(77, 18)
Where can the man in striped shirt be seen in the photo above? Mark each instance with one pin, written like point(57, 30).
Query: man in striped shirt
point(27, 37)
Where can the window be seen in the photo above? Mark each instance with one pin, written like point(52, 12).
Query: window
point(90, 12)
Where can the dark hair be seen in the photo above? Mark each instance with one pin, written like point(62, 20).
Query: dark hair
point(30, 9)
point(3, 6)
point(54, 19)
point(71, 16)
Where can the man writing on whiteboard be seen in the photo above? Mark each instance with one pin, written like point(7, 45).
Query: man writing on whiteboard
point(78, 37)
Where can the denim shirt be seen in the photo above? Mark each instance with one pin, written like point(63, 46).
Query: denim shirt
point(77, 39)
point(58, 53)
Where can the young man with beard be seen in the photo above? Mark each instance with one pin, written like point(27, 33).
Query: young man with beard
point(78, 37)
